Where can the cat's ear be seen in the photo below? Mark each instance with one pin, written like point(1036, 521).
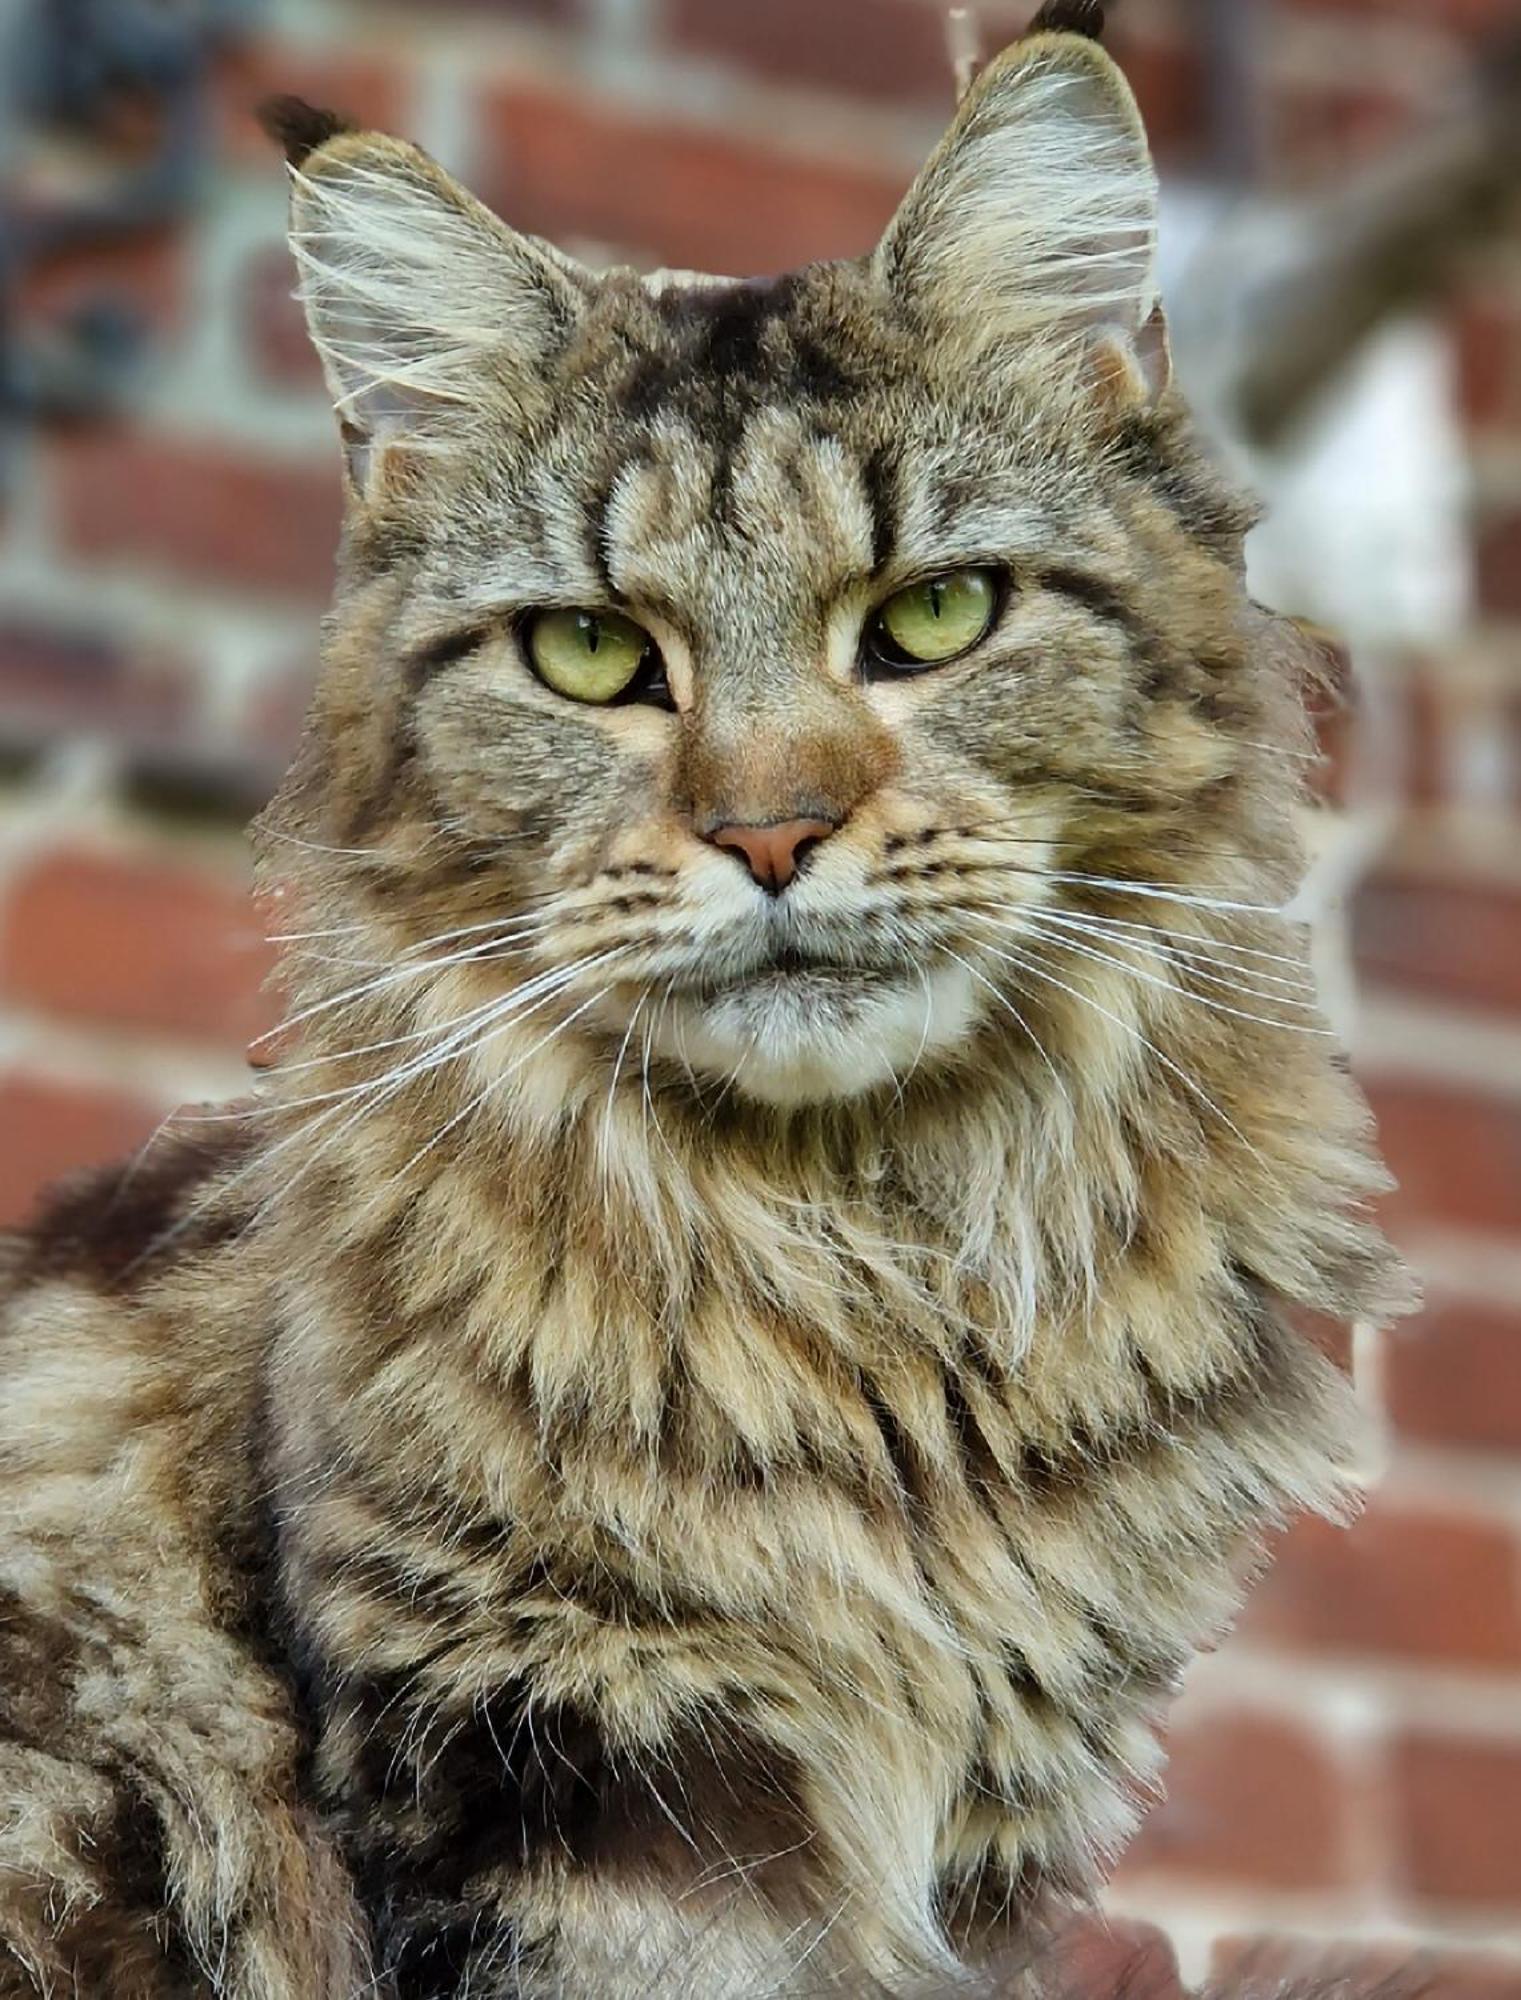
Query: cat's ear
point(1036, 216)
point(421, 304)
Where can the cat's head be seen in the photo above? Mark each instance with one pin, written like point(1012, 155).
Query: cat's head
point(734, 666)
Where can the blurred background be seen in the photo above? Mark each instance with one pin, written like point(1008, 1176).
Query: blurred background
point(1343, 261)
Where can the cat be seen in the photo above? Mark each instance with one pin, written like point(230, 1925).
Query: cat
point(682, 1439)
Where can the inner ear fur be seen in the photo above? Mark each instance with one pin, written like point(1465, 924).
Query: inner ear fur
point(1036, 218)
point(420, 302)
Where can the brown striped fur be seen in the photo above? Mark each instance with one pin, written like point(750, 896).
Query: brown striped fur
point(698, 1475)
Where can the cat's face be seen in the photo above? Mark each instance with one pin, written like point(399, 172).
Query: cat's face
point(756, 656)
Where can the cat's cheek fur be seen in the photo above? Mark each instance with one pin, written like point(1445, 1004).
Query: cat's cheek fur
point(791, 1042)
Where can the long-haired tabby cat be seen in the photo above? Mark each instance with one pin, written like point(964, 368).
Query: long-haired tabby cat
point(680, 1443)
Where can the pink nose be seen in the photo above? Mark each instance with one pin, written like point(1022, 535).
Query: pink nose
point(774, 854)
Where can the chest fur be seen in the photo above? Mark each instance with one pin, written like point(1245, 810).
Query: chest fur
point(975, 1578)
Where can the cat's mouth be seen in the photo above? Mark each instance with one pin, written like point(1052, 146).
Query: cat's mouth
point(793, 1026)
point(793, 971)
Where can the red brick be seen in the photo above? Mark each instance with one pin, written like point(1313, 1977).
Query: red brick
point(1487, 338)
point(366, 89)
point(1402, 1581)
point(1456, 1154)
point(546, 13)
point(1505, 717)
point(200, 512)
point(1172, 90)
point(1387, 1970)
point(1467, 1976)
point(1250, 1798)
point(568, 166)
point(143, 944)
point(1316, 130)
point(277, 711)
point(273, 323)
point(1452, 938)
point(1427, 727)
point(1337, 737)
point(1457, 1817)
point(54, 680)
point(872, 48)
point(1332, 1337)
point(1454, 1376)
point(1461, 16)
point(897, 49)
point(48, 1130)
point(1099, 1955)
point(145, 704)
point(1334, 713)
point(145, 274)
point(1498, 552)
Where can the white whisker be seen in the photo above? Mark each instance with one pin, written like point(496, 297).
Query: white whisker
point(1195, 899)
point(1247, 981)
point(1065, 935)
point(381, 1090)
point(1128, 1027)
point(519, 922)
point(455, 1033)
point(365, 989)
point(1194, 940)
point(326, 931)
point(489, 1090)
point(1009, 1007)
point(430, 839)
point(603, 1137)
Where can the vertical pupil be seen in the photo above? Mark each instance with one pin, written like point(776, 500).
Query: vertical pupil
point(936, 595)
point(593, 634)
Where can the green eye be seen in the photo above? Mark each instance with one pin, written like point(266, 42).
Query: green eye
point(933, 621)
point(587, 655)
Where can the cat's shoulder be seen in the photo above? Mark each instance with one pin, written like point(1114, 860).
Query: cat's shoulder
point(126, 1308)
point(114, 1229)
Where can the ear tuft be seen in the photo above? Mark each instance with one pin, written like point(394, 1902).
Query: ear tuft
point(423, 306)
point(1035, 219)
point(1069, 17)
point(299, 128)
point(1036, 216)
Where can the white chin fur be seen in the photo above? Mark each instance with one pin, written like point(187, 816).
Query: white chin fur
point(807, 1041)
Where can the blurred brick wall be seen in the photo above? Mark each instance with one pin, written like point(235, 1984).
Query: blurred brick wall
point(1351, 1761)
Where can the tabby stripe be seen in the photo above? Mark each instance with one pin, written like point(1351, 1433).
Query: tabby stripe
point(878, 485)
point(599, 542)
point(1107, 603)
point(426, 660)
point(1101, 598)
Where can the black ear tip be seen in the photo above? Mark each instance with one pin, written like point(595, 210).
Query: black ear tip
point(1070, 17)
point(299, 128)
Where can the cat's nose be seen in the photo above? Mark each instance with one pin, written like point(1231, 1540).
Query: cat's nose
point(774, 854)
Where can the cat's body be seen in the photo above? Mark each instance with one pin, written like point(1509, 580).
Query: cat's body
point(682, 1443)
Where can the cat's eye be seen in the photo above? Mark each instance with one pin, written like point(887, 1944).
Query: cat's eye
point(593, 656)
point(932, 622)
